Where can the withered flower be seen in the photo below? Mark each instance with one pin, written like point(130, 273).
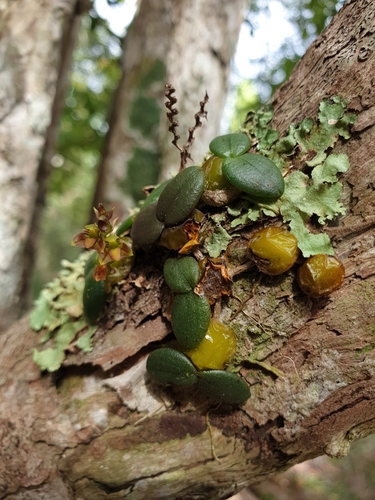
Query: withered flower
point(111, 248)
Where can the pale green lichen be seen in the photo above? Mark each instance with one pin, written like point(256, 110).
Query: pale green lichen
point(58, 314)
point(316, 190)
point(218, 241)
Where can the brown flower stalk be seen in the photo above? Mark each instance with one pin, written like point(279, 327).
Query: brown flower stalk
point(202, 113)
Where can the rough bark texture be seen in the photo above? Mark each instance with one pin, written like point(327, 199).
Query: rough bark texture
point(186, 43)
point(78, 434)
point(33, 41)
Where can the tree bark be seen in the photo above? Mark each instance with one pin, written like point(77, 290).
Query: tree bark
point(35, 50)
point(189, 44)
point(79, 434)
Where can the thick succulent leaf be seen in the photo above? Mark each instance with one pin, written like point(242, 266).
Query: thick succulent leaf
point(230, 145)
point(191, 316)
point(182, 275)
point(146, 228)
point(256, 175)
point(223, 386)
point(180, 196)
point(168, 366)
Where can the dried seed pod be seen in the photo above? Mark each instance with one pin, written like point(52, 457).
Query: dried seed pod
point(180, 196)
point(168, 366)
point(223, 386)
point(191, 316)
point(256, 175)
point(320, 275)
point(274, 249)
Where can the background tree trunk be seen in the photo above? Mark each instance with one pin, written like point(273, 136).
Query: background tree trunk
point(78, 434)
point(36, 48)
point(189, 44)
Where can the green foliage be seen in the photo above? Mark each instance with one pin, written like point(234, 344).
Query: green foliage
point(146, 227)
point(173, 205)
point(168, 366)
point(154, 72)
point(58, 314)
point(142, 171)
point(94, 298)
point(95, 75)
point(230, 145)
point(144, 115)
point(308, 18)
point(144, 121)
point(246, 99)
point(255, 175)
point(190, 318)
point(182, 275)
point(223, 386)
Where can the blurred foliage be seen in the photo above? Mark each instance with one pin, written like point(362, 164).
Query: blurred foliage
point(308, 18)
point(94, 78)
point(246, 99)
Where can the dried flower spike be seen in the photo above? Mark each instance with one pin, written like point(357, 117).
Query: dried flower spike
point(202, 113)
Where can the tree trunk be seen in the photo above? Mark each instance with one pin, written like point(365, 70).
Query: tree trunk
point(162, 45)
point(79, 434)
point(36, 48)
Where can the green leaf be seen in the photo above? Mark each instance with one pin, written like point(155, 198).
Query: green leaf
point(230, 145)
point(190, 318)
point(168, 366)
point(180, 196)
point(223, 386)
point(182, 275)
point(146, 227)
point(256, 175)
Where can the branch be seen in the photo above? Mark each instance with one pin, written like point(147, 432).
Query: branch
point(79, 435)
